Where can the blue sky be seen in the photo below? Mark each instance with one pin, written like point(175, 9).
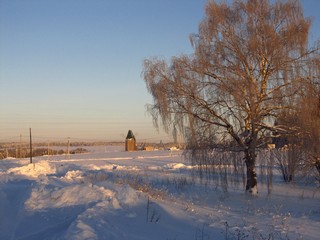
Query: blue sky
point(72, 68)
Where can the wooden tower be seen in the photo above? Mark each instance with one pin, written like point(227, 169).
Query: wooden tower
point(131, 144)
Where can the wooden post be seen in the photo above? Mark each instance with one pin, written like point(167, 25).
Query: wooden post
point(48, 149)
point(68, 148)
point(20, 146)
point(30, 146)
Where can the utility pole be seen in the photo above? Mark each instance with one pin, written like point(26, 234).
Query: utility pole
point(48, 149)
point(30, 146)
point(20, 146)
point(68, 148)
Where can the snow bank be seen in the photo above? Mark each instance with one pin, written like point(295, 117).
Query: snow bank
point(34, 170)
point(79, 187)
point(175, 166)
point(42, 198)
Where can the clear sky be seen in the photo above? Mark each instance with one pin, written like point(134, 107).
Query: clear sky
point(72, 68)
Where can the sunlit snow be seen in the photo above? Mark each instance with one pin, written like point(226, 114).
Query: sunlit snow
point(143, 195)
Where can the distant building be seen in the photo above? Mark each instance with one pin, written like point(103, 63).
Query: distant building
point(149, 148)
point(131, 144)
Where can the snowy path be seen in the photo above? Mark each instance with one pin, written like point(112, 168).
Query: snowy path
point(13, 195)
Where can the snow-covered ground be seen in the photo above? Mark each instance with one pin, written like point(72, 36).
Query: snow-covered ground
point(112, 194)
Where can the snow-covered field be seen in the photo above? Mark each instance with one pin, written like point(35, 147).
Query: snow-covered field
point(112, 194)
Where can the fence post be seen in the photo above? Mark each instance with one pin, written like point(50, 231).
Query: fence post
point(30, 146)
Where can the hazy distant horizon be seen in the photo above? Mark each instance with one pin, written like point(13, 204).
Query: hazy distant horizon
point(39, 135)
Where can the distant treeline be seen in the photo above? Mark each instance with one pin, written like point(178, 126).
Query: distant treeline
point(58, 144)
point(25, 152)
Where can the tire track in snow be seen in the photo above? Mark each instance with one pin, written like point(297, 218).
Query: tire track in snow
point(15, 194)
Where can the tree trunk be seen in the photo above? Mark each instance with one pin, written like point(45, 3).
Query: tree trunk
point(252, 183)
point(317, 165)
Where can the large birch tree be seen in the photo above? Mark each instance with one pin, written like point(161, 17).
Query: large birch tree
point(248, 63)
